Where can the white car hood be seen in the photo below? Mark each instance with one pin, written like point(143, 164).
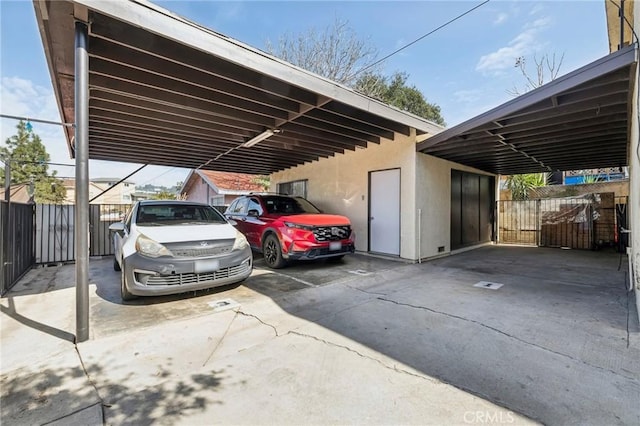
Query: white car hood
point(184, 233)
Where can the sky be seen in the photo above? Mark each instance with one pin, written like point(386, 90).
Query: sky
point(466, 68)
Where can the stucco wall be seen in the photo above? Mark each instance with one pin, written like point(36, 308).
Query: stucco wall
point(433, 197)
point(634, 173)
point(340, 184)
point(120, 194)
point(197, 191)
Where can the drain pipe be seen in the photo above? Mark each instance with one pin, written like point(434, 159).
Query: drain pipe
point(629, 252)
point(419, 235)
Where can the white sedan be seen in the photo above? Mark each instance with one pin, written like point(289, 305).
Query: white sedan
point(168, 247)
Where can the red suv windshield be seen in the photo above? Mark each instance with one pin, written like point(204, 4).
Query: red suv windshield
point(288, 205)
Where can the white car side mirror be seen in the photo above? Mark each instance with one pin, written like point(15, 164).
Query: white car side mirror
point(116, 227)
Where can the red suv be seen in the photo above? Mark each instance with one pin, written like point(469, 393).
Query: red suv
point(290, 228)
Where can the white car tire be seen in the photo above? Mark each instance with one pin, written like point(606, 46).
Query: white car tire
point(124, 292)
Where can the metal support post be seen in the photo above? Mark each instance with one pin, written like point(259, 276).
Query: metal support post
point(7, 179)
point(6, 229)
point(82, 181)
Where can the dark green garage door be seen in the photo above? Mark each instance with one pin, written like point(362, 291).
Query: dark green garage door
point(472, 201)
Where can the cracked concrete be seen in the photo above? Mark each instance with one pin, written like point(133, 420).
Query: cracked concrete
point(504, 334)
point(275, 330)
point(393, 367)
point(406, 344)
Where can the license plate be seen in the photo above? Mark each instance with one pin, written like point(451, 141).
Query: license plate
point(337, 245)
point(210, 265)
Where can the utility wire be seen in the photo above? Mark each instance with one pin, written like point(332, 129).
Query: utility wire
point(160, 175)
point(47, 163)
point(37, 120)
point(419, 38)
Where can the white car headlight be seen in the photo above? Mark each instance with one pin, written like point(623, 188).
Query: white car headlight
point(148, 247)
point(240, 242)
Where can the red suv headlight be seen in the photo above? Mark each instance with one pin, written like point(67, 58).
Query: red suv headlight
point(297, 226)
point(299, 232)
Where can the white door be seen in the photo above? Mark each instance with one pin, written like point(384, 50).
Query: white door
point(384, 212)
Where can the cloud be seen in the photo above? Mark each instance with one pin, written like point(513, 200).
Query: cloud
point(537, 8)
point(400, 43)
point(23, 98)
point(502, 17)
point(468, 96)
point(231, 11)
point(522, 45)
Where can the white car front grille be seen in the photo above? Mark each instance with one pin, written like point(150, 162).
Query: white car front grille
point(192, 278)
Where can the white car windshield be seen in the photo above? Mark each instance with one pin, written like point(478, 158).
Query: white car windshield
point(176, 214)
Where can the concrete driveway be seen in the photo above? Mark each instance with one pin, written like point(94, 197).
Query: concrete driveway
point(368, 341)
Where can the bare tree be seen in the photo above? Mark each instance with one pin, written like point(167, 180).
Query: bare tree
point(546, 69)
point(339, 55)
point(335, 52)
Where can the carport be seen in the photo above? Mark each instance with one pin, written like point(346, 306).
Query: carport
point(144, 85)
point(578, 121)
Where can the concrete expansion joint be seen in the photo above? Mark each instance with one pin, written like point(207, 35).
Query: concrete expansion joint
point(508, 335)
point(101, 401)
point(275, 330)
point(388, 367)
point(59, 419)
point(372, 293)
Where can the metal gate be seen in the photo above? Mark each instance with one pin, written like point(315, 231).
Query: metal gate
point(55, 241)
point(519, 222)
point(568, 222)
point(584, 222)
point(101, 216)
point(16, 245)
point(55, 230)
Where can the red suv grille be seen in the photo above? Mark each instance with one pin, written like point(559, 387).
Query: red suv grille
point(332, 233)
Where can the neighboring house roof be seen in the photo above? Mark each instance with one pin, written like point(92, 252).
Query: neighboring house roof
point(109, 180)
point(19, 193)
point(224, 182)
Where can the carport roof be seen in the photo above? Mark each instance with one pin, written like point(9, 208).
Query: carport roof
point(578, 121)
point(166, 91)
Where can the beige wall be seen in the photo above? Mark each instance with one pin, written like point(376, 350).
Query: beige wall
point(114, 196)
point(120, 194)
point(634, 173)
point(340, 185)
point(433, 198)
point(612, 8)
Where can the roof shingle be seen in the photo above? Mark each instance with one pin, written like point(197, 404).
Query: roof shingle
point(232, 181)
